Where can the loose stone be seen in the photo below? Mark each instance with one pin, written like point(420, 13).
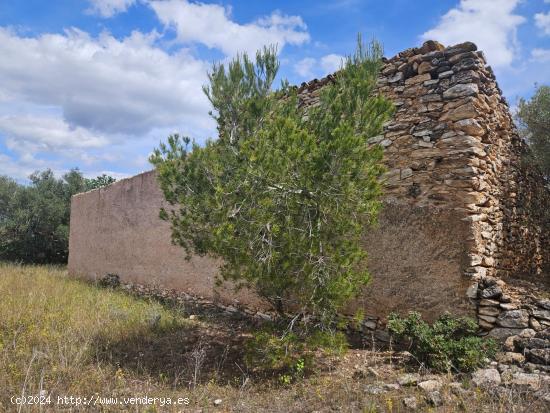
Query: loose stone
point(486, 377)
point(514, 319)
point(430, 385)
point(410, 403)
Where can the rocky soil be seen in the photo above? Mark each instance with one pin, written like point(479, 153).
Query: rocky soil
point(372, 377)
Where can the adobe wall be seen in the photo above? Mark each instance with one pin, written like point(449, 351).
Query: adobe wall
point(117, 230)
point(457, 201)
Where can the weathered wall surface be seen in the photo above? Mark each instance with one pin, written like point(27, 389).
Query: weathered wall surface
point(416, 256)
point(459, 204)
point(452, 144)
point(117, 230)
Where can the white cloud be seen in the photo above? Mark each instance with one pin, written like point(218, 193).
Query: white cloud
point(491, 24)
point(73, 99)
point(47, 134)
point(309, 67)
point(108, 8)
point(18, 170)
point(305, 66)
point(37, 137)
point(68, 97)
point(331, 63)
point(211, 25)
point(540, 55)
point(542, 21)
point(105, 84)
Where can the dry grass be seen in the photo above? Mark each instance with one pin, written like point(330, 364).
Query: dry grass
point(63, 337)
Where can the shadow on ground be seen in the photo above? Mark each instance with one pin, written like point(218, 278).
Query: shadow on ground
point(210, 346)
point(189, 354)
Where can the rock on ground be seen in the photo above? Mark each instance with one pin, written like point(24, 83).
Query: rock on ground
point(486, 377)
point(410, 402)
point(430, 385)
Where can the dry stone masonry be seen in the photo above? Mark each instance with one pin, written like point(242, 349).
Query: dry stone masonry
point(462, 229)
point(452, 144)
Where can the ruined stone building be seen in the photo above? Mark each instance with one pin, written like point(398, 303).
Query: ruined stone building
point(461, 229)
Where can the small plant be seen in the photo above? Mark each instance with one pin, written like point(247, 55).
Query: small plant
point(197, 359)
point(450, 343)
point(290, 355)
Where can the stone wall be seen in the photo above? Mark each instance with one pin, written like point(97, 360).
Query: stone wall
point(452, 145)
point(458, 201)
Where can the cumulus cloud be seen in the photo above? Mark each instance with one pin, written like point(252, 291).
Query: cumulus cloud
point(108, 8)
point(491, 24)
point(540, 55)
point(331, 63)
point(304, 67)
point(211, 25)
point(105, 84)
point(102, 101)
point(38, 141)
point(47, 134)
point(542, 21)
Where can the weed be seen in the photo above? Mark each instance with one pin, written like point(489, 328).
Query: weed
point(450, 344)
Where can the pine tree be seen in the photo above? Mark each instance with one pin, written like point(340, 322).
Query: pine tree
point(285, 194)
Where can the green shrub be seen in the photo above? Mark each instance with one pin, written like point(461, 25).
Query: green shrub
point(451, 343)
point(290, 355)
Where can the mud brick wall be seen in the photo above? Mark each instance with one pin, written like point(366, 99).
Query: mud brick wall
point(460, 204)
point(117, 230)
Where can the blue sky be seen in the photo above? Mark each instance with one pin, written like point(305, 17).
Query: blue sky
point(96, 84)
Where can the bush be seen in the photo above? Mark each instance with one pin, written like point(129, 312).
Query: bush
point(451, 343)
point(290, 355)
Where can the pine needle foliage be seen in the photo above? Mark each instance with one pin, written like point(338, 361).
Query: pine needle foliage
point(286, 193)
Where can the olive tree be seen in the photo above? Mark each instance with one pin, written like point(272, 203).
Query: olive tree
point(534, 120)
point(34, 218)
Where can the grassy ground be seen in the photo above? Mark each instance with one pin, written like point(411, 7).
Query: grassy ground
point(62, 337)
